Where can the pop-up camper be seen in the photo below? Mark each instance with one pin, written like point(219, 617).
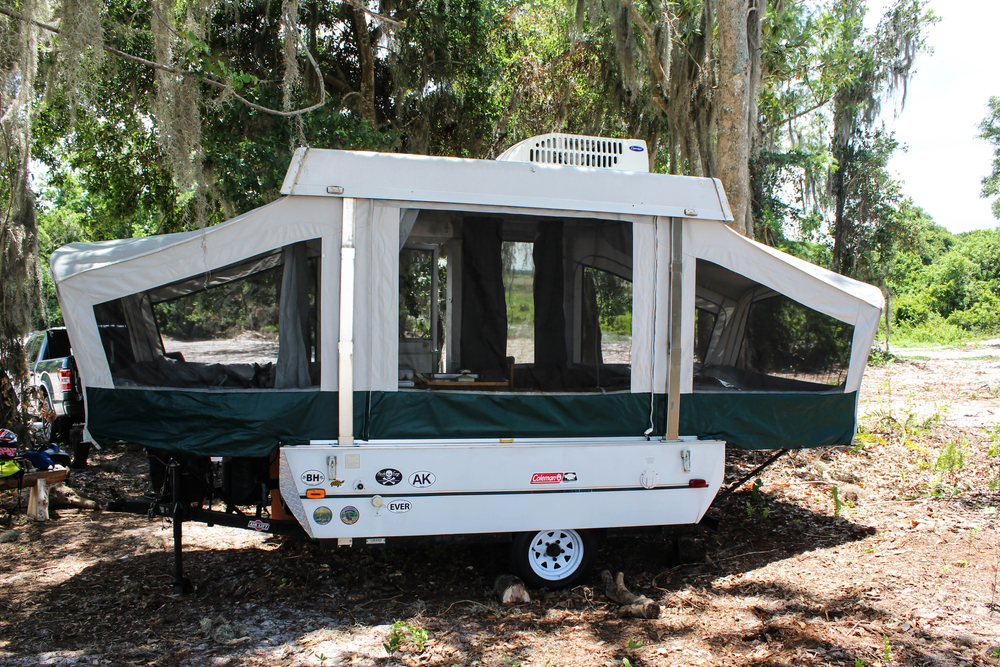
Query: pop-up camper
point(534, 349)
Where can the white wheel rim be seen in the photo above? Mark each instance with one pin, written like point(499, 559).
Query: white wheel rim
point(555, 555)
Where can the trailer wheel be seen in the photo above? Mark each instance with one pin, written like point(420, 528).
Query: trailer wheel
point(553, 558)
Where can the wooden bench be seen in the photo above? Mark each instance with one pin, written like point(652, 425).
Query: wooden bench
point(38, 501)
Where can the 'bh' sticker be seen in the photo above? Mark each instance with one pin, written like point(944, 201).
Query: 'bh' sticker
point(422, 479)
point(313, 478)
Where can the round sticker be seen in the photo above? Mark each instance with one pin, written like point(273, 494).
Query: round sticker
point(422, 479)
point(313, 478)
point(323, 515)
point(388, 477)
point(399, 506)
point(350, 515)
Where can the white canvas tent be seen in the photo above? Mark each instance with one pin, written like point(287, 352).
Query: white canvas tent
point(387, 187)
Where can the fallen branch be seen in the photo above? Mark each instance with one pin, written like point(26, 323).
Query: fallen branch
point(633, 606)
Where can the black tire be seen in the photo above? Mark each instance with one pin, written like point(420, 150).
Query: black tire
point(557, 558)
point(42, 408)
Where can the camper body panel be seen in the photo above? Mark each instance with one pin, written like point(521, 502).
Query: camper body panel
point(412, 488)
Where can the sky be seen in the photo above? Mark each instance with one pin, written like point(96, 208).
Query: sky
point(945, 163)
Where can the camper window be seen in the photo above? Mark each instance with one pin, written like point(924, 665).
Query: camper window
point(520, 303)
point(750, 338)
point(249, 325)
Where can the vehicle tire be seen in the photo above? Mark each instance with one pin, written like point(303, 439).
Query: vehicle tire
point(553, 558)
point(42, 411)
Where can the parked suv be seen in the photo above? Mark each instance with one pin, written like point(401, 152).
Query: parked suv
point(58, 390)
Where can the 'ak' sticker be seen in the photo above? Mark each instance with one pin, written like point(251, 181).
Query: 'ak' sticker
point(422, 479)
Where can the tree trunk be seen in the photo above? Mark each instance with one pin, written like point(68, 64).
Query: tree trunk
point(734, 108)
point(843, 124)
point(367, 107)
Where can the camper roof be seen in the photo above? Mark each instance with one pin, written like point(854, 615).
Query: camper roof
point(447, 180)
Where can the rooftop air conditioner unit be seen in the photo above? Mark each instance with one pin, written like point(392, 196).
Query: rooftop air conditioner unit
point(580, 151)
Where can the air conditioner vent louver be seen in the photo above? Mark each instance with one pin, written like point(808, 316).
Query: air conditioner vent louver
point(580, 151)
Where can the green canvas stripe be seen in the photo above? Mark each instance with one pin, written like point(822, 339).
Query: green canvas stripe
point(771, 421)
point(203, 423)
point(459, 415)
point(253, 423)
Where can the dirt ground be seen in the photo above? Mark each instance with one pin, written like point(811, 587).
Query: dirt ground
point(886, 553)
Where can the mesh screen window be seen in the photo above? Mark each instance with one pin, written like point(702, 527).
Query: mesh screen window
point(249, 325)
point(515, 303)
point(749, 337)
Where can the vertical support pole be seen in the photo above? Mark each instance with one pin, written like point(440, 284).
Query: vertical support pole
point(345, 384)
point(182, 585)
point(434, 309)
point(676, 314)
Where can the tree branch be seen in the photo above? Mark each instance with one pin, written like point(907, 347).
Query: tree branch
point(802, 113)
point(654, 60)
point(357, 4)
point(173, 70)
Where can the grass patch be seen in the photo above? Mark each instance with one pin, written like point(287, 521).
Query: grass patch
point(933, 332)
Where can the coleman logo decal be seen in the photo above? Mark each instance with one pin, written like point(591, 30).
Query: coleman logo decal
point(258, 525)
point(553, 477)
point(398, 506)
point(388, 477)
point(313, 478)
point(422, 479)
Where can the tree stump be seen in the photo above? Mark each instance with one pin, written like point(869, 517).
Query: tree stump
point(508, 589)
point(633, 606)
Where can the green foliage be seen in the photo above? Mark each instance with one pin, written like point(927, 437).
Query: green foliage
point(879, 357)
point(990, 128)
point(948, 287)
point(784, 336)
point(245, 305)
point(757, 504)
point(402, 633)
point(614, 301)
point(952, 458)
point(415, 286)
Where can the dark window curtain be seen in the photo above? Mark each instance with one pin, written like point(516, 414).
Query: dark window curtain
point(484, 310)
point(550, 320)
point(293, 328)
